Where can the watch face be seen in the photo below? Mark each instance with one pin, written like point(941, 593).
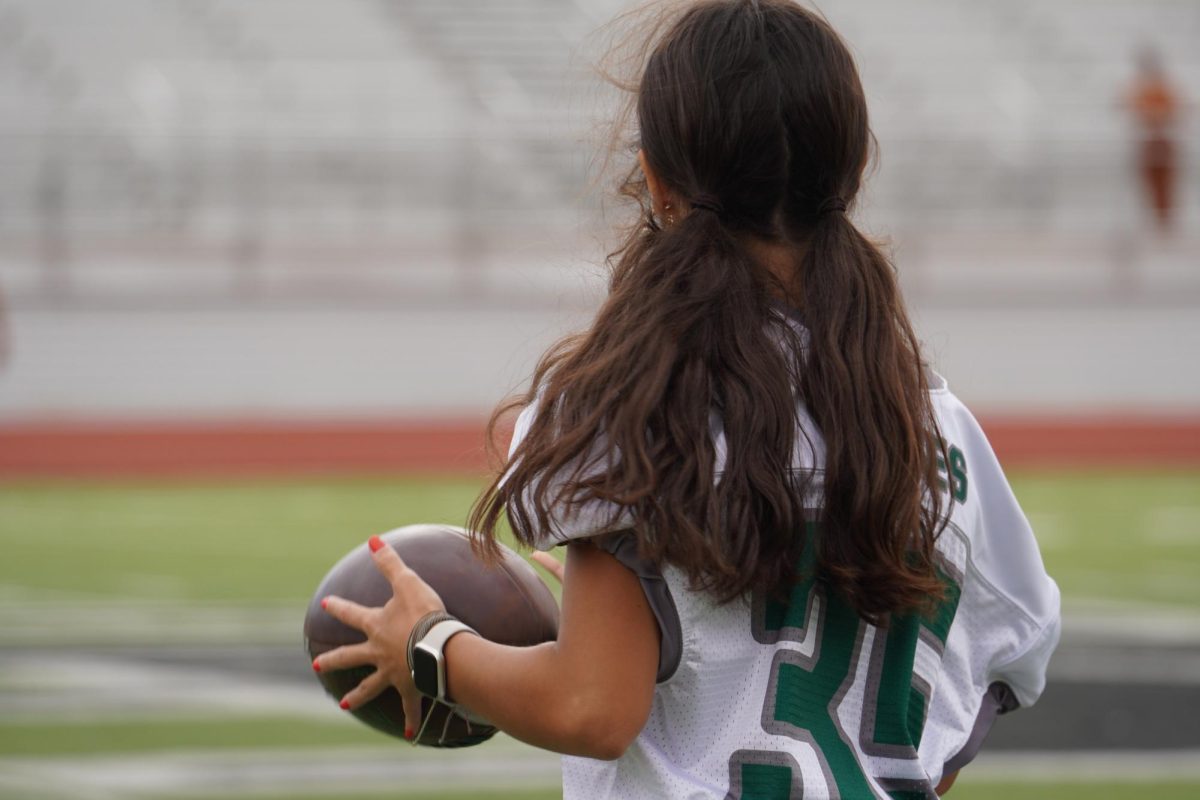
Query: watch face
point(425, 672)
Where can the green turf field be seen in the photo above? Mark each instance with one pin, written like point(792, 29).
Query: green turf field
point(1117, 536)
point(228, 542)
point(94, 562)
point(1105, 536)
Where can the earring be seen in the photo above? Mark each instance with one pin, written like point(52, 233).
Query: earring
point(670, 216)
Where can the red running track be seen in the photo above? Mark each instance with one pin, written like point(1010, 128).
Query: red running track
point(456, 447)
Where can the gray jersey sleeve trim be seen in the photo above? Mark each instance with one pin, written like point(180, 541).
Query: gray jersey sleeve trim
point(998, 700)
point(623, 547)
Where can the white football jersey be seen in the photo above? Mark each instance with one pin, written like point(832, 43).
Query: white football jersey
point(764, 699)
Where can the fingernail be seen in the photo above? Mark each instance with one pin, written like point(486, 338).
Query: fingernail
point(408, 733)
point(344, 705)
point(375, 543)
point(316, 666)
point(324, 602)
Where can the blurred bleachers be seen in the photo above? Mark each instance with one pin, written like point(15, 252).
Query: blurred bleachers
point(219, 148)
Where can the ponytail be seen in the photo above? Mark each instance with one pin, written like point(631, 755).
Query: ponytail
point(682, 333)
point(865, 387)
point(755, 115)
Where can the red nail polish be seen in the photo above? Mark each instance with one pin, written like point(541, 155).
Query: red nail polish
point(316, 666)
point(344, 705)
point(375, 543)
point(408, 733)
point(324, 602)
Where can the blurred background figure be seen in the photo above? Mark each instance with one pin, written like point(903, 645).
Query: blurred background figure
point(1155, 107)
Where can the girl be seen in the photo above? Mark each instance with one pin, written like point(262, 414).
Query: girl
point(794, 567)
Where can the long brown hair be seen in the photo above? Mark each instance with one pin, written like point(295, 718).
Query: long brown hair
point(753, 112)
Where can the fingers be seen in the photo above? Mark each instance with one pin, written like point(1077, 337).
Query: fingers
point(351, 655)
point(365, 692)
point(346, 611)
point(550, 564)
point(412, 592)
point(388, 561)
point(412, 711)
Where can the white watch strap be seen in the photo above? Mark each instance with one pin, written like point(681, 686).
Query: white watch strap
point(440, 633)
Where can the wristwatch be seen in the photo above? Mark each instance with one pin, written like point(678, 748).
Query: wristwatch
point(425, 656)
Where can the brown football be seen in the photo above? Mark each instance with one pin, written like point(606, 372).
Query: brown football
point(506, 603)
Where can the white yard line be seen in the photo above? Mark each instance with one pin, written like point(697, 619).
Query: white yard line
point(495, 765)
point(85, 687)
point(89, 684)
point(1126, 666)
point(1085, 766)
point(1100, 620)
point(1172, 525)
point(107, 622)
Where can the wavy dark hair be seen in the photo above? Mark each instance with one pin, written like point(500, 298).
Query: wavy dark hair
point(753, 112)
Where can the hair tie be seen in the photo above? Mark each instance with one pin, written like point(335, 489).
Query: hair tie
point(707, 202)
point(831, 205)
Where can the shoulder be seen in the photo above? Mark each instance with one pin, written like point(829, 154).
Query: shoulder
point(957, 425)
point(522, 425)
point(573, 515)
point(978, 489)
point(1010, 604)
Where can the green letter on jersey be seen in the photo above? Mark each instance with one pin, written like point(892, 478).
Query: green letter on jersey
point(956, 471)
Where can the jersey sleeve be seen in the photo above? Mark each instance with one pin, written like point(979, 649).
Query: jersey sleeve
point(1009, 577)
point(996, 655)
point(590, 521)
point(574, 520)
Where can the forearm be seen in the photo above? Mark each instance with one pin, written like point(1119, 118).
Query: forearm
point(589, 692)
point(534, 694)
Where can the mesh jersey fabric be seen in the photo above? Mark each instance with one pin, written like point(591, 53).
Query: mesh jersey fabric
point(809, 706)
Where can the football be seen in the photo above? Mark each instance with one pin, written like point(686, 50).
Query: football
point(506, 603)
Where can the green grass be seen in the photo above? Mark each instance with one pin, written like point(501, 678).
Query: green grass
point(233, 542)
point(181, 733)
point(1114, 536)
point(1118, 536)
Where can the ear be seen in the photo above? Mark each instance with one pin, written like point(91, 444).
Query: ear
point(661, 198)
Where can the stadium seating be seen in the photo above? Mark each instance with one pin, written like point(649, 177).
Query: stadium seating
point(308, 135)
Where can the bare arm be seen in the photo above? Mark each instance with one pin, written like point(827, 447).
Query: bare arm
point(588, 693)
point(947, 782)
